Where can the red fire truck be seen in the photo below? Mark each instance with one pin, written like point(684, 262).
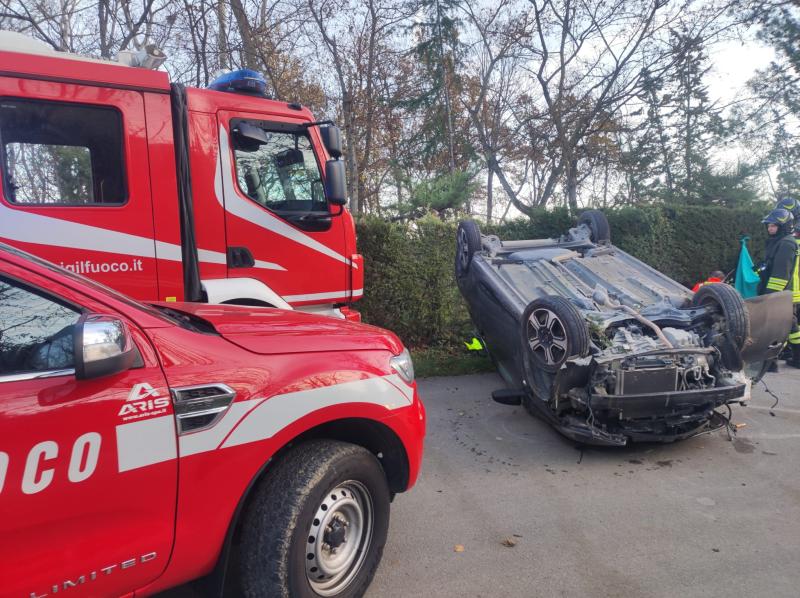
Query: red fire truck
point(143, 446)
point(170, 193)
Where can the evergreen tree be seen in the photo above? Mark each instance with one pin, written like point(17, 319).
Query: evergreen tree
point(437, 51)
point(669, 158)
point(776, 107)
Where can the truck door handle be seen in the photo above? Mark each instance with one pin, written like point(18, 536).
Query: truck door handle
point(240, 257)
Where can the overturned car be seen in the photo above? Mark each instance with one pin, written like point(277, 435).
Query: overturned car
point(606, 348)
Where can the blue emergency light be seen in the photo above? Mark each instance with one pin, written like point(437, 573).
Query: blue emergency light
point(242, 81)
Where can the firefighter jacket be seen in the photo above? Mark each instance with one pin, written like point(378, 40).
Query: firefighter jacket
point(781, 267)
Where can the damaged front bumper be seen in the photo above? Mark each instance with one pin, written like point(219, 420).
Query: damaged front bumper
point(664, 404)
point(653, 417)
point(649, 405)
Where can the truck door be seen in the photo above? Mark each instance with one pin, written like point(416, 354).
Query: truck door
point(76, 187)
point(280, 229)
point(87, 467)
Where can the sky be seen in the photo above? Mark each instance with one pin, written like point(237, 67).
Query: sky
point(734, 62)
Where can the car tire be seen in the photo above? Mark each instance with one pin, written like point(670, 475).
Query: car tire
point(468, 242)
point(734, 320)
point(552, 331)
point(598, 224)
point(321, 492)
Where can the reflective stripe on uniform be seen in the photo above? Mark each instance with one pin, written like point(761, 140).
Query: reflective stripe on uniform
point(794, 338)
point(796, 275)
point(777, 284)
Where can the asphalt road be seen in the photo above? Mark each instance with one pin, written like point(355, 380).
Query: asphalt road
point(704, 517)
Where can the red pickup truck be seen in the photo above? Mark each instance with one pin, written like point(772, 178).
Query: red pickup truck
point(143, 446)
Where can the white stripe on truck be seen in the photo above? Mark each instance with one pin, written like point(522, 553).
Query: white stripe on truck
point(152, 441)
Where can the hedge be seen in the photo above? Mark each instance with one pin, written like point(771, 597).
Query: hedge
point(409, 285)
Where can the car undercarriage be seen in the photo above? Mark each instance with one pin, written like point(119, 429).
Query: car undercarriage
point(605, 348)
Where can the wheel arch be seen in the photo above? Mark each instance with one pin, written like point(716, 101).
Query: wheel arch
point(376, 437)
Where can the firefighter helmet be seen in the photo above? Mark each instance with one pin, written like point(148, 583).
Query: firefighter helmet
point(783, 218)
point(792, 205)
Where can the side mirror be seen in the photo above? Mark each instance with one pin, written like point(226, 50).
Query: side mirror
point(332, 140)
point(335, 186)
point(249, 137)
point(103, 347)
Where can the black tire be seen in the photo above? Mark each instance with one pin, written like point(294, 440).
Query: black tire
point(731, 320)
point(730, 305)
point(598, 224)
point(552, 331)
point(468, 241)
point(306, 491)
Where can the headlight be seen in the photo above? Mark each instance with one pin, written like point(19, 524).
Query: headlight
point(403, 365)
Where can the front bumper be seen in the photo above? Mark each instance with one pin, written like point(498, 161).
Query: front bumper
point(653, 417)
point(665, 404)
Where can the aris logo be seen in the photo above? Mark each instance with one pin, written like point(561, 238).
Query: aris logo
point(143, 401)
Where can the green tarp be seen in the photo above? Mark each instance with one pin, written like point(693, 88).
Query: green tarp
point(746, 278)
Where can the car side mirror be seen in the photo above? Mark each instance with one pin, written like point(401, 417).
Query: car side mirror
point(103, 347)
point(335, 185)
point(332, 140)
point(249, 137)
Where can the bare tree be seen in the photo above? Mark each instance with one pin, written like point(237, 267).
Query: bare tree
point(493, 63)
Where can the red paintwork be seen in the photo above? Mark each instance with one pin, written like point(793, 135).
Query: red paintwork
point(350, 314)
point(306, 276)
point(180, 508)
point(88, 72)
point(273, 331)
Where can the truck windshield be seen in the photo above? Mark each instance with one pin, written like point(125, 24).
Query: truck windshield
point(282, 174)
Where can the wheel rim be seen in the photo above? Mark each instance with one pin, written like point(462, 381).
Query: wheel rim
point(547, 336)
point(339, 538)
point(463, 250)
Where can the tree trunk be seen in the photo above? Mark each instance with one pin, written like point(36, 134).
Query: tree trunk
point(512, 195)
point(102, 17)
point(250, 51)
point(353, 177)
point(489, 198)
point(572, 185)
point(446, 87)
point(222, 36)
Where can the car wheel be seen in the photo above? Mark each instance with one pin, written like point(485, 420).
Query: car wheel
point(732, 322)
point(598, 224)
point(553, 330)
point(468, 241)
point(317, 524)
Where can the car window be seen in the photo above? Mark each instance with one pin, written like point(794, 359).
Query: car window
point(282, 174)
point(61, 153)
point(36, 332)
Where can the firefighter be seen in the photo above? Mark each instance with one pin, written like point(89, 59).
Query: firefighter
point(780, 269)
point(715, 276)
point(793, 206)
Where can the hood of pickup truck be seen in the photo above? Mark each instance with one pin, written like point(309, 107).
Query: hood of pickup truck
point(269, 331)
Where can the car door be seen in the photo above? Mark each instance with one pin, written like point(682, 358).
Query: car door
point(280, 228)
point(87, 471)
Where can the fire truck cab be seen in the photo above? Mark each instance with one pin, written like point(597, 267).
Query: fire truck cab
point(169, 193)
